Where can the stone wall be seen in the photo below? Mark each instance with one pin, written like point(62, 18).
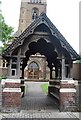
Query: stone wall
point(44, 71)
point(26, 14)
point(77, 71)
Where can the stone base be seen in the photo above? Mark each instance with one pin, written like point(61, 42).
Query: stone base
point(68, 109)
point(78, 95)
point(11, 97)
point(68, 101)
point(68, 96)
point(10, 110)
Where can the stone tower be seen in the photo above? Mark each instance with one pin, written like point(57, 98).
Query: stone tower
point(29, 11)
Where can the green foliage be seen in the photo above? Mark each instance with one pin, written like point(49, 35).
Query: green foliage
point(26, 86)
point(2, 77)
point(79, 61)
point(45, 88)
point(5, 33)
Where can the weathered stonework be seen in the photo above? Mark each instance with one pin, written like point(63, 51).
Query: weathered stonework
point(11, 95)
point(68, 96)
point(3, 69)
point(78, 94)
point(42, 64)
point(12, 83)
point(11, 98)
point(26, 13)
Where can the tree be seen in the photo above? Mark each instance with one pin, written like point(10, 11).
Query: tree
point(5, 33)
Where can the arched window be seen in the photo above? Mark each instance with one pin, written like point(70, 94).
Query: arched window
point(35, 13)
point(33, 65)
point(33, 70)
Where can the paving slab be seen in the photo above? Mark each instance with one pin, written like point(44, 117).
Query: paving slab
point(37, 115)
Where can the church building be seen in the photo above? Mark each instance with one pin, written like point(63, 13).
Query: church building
point(39, 52)
point(40, 45)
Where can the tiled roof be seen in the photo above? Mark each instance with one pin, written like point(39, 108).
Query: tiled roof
point(41, 19)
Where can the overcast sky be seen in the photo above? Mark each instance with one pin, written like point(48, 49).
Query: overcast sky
point(63, 13)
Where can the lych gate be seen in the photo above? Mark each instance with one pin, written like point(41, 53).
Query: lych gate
point(39, 47)
point(41, 37)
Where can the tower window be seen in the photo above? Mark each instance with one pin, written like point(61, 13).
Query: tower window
point(35, 13)
point(35, 1)
point(34, 16)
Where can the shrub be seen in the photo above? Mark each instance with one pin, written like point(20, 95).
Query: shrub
point(2, 77)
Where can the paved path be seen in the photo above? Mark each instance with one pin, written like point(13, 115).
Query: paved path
point(39, 116)
point(36, 99)
point(36, 105)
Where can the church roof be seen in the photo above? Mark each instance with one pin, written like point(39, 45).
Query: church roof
point(41, 19)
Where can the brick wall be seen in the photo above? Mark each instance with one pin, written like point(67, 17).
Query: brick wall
point(10, 85)
point(11, 95)
point(68, 96)
point(67, 101)
point(11, 99)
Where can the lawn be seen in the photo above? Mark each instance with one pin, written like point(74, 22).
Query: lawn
point(45, 88)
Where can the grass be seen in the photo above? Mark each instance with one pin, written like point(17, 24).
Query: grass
point(45, 88)
point(26, 86)
point(2, 77)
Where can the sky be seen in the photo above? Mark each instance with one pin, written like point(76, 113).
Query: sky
point(64, 14)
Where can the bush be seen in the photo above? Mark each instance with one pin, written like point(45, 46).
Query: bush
point(2, 77)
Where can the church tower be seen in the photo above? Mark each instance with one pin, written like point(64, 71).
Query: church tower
point(29, 11)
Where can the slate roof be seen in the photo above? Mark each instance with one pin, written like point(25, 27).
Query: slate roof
point(41, 19)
